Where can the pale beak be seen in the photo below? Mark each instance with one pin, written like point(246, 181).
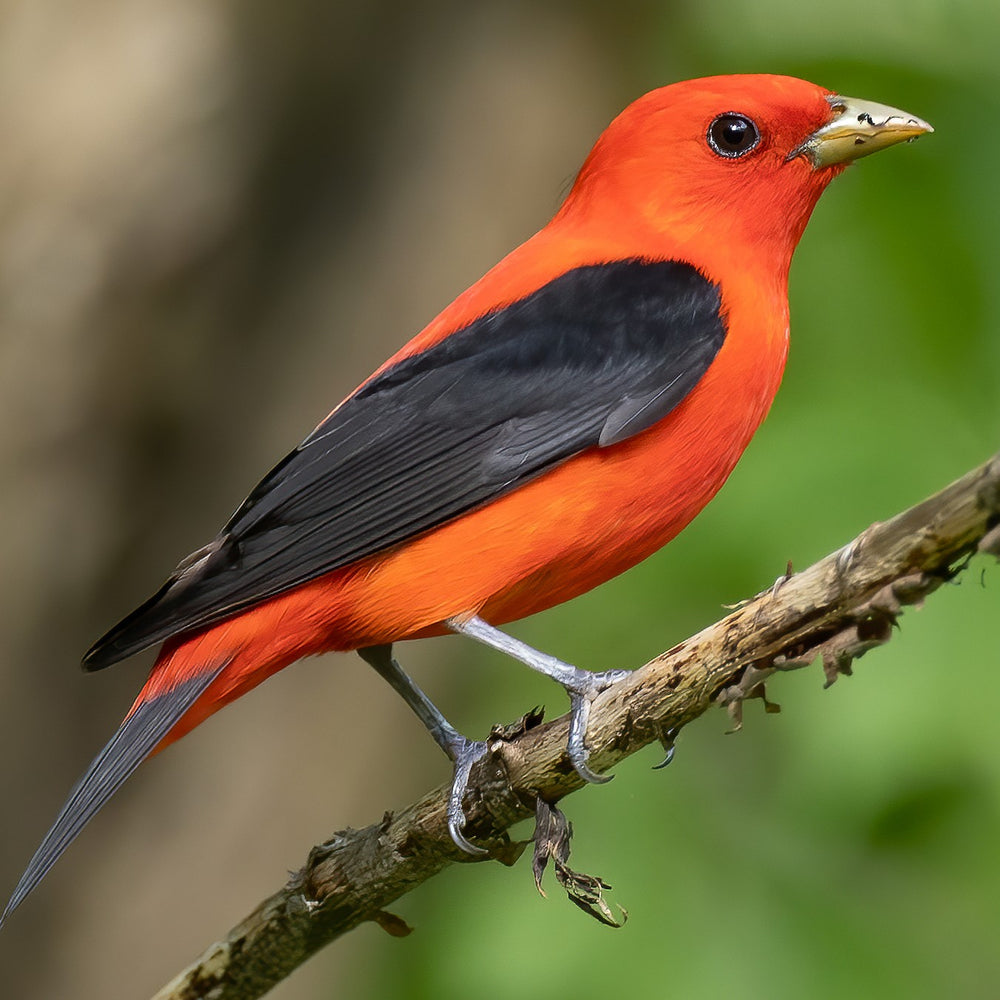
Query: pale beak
point(859, 128)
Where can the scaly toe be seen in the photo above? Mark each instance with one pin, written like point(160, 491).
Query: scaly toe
point(465, 754)
point(604, 679)
point(576, 747)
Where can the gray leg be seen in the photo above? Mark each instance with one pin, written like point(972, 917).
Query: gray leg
point(461, 751)
point(582, 686)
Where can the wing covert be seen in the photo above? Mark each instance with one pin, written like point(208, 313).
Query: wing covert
point(592, 358)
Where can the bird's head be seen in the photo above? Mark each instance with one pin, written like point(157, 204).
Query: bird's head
point(733, 162)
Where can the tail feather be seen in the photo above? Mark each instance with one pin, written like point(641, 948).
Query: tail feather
point(143, 729)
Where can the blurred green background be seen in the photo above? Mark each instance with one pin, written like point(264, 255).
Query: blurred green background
point(215, 218)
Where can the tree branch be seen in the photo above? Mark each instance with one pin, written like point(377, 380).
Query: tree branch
point(835, 611)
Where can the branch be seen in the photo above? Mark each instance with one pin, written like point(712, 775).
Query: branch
point(835, 611)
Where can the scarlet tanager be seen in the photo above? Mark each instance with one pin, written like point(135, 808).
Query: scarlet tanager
point(561, 420)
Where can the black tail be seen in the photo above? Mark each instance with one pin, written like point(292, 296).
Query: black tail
point(136, 738)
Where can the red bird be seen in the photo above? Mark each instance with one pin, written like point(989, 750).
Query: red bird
point(560, 421)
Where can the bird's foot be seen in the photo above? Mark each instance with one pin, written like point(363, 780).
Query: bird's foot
point(583, 688)
point(464, 752)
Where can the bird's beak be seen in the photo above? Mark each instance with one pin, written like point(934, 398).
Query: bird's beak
point(858, 129)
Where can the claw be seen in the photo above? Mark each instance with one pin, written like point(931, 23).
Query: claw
point(455, 830)
point(576, 748)
point(465, 753)
point(581, 695)
point(667, 740)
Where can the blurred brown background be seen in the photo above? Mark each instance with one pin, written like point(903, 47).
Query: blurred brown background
point(215, 219)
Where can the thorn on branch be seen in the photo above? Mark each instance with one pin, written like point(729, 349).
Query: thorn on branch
point(779, 582)
point(783, 579)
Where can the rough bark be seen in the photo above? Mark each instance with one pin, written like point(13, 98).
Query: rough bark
point(838, 609)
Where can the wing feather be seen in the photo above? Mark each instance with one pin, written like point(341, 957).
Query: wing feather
point(592, 358)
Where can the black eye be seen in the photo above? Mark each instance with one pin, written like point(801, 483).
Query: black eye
point(732, 135)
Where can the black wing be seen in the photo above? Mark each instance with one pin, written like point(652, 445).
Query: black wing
point(589, 359)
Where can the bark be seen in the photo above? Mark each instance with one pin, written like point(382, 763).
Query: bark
point(833, 612)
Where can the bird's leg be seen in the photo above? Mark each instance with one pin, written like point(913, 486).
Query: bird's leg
point(461, 751)
point(582, 686)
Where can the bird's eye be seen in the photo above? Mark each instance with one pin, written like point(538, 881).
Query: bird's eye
point(732, 135)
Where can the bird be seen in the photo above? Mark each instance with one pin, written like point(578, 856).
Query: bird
point(561, 420)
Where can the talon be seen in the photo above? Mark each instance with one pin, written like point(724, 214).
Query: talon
point(455, 831)
point(667, 741)
point(581, 695)
point(576, 749)
point(465, 753)
point(591, 777)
